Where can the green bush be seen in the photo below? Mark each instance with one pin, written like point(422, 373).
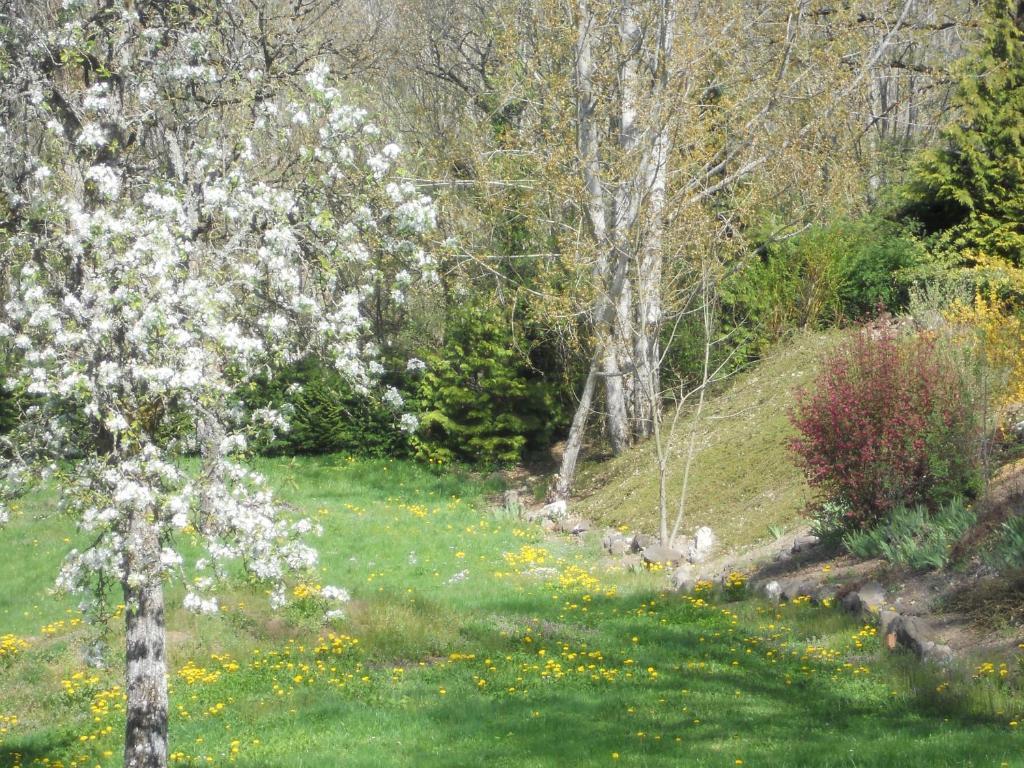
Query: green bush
point(481, 400)
point(914, 537)
point(830, 521)
point(828, 275)
point(327, 414)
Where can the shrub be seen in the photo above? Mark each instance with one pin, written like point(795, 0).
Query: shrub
point(846, 270)
point(482, 401)
point(327, 415)
point(830, 520)
point(913, 536)
point(890, 421)
point(999, 333)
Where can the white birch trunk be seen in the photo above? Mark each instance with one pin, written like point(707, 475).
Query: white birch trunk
point(574, 443)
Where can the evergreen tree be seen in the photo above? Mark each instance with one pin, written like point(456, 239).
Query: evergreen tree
point(970, 192)
point(482, 399)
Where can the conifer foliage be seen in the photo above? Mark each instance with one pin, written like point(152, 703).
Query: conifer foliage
point(480, 399)
point(971, 191)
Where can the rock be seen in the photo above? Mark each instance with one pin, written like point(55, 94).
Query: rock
point(684, 578)
point(868, 600)
point(773, 591)
point(823, 593)
point(641, 541)
point(701, 545)
point(456, 578)
point(783, 554)
point(791, 589)
point(939, 654)
point(887, 626)
point(614, 543)
point(572, 525)
point(804, 542)
point(542, 572)
point(511, 503)
point(556, 510)
point(913, 634)
point(658, 554)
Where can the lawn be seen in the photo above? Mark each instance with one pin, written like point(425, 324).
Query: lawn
point(473, 640)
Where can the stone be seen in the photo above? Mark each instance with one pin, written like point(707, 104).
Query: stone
point(824, 593)
point(658, 554)
point(556, 510)
point(572, 525)
point(887, 624)
point(913, 633)
point(804, 542)
point(791, 589)
point(939, 654)
point(773, 591)
point(614, 543)
point(867, 600)
point(641, 541)
point(618, 547)
point(684, 578)
point(511, 503)
point(701, 545)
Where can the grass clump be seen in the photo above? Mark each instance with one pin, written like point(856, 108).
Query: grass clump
point(913, 536)
point(1007, 549)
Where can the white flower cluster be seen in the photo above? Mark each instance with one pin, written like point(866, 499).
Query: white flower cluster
point(168, 286)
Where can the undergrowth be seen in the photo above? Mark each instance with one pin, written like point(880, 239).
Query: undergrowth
point(913, 536)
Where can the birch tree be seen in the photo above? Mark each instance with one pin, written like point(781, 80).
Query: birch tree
point(690, 119)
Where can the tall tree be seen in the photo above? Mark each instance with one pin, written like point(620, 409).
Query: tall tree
point(158, 261)
point(971, 189)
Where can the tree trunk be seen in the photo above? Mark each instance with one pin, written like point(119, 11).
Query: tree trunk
point(615, 396)
point(210, 433)
point(647, 347)
point(145, 734)
point(567, 470)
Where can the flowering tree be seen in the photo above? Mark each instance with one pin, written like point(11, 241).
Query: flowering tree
point(183, 211)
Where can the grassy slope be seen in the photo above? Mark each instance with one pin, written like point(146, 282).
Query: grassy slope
point(511, 666)
point(743, 479)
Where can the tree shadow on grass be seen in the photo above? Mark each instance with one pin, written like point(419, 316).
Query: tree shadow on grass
point(747, 712)
point(35, 749)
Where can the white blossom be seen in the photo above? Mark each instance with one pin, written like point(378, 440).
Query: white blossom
point(92, 135)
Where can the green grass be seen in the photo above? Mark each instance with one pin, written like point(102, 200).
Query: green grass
point(743, 480)
point(512, 665)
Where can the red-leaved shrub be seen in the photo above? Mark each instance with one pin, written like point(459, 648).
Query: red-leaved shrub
point(890, 420)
